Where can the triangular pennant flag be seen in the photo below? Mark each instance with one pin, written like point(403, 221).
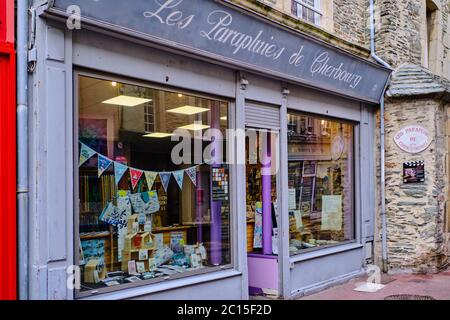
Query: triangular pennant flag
point(103, 164)
point(192, 174)
point(165, 178)
point(85, 153)
point(135, 176)
point(150, 176)
point(119, 171)
point(179, 176)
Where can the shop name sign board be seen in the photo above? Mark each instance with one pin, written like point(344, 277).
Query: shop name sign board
point(413, 139)
point(216, 31)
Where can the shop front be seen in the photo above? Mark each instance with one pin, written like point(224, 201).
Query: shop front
point(196, 151)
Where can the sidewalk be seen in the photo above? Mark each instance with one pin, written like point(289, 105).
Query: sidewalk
point(436, 286)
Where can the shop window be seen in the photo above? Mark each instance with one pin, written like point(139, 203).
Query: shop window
point(142, 216)
point(321, 182)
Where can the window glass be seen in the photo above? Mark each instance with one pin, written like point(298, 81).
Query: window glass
point(144, 214)
point(321, 179)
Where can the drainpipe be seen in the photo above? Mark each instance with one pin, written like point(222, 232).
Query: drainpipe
point(382, 141)
point(22, 145)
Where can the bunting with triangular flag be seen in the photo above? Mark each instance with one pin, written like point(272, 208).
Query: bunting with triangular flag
point(165, 178)
point(103, 164)
point(151, 177)
point(135, 175)
point(119, 171)
point(192, 174)
point(179, 176)
point(85, 153)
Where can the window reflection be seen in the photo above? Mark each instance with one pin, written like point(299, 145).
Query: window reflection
point(321, 159)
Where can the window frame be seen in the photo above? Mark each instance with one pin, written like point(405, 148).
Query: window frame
point(316, 9)
point(233, 219)
point(355, 185)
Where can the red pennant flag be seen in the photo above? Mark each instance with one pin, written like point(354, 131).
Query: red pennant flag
point(135, 176)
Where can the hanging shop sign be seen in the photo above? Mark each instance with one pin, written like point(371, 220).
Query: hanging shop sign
point(413, 139)
point(216, 31)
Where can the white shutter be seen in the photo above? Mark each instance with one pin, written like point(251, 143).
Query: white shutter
point(260, 116)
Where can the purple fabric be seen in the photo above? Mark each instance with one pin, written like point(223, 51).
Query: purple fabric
point(267, 197)
point(216, 206)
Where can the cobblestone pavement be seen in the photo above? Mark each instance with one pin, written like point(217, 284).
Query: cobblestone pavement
point(436, 286)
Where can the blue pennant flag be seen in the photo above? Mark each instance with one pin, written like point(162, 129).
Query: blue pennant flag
point(192, 174)
point(179, 176)
point(85, 154)
point(103, 164)
point(165, 179)
point(119, 171)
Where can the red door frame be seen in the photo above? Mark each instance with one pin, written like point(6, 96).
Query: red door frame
point(8, 225)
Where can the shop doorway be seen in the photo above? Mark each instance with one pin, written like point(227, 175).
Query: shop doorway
point(262, 195)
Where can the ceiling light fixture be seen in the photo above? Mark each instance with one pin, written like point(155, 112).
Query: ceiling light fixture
point(195, 127)
point(158, 135)
point(188, 110)
point(126, 101)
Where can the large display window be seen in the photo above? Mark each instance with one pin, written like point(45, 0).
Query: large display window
point(149, 210)
point(321, 182)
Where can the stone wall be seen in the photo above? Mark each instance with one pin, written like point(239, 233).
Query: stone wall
point(351, 20)
point(401, 34)
point(415, 212)
point(398, 31)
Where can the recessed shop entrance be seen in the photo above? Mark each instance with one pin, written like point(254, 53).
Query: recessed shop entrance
point(262, 194)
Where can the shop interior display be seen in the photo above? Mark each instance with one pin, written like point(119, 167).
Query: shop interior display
point(254, 199)
point(141, 217)
point(320, 181)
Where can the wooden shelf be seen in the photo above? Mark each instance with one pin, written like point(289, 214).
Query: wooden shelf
point(95, 235)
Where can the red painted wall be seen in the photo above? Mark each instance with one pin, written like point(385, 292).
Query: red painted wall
point(8, 227)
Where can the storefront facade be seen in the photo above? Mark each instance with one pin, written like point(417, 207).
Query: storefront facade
point(8, 279)
point(108, 198)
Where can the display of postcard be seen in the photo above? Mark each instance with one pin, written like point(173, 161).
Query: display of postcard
point(135, 228)
point(202, 250)
point(148, 226)
point(189, 249)
point(153, 202)
point(176, 240)
point(169, 272)
point(162, 255)
point(131, 267)
point(151, 264)
point(257, 236)
point(140, 267)
point(219, 184)
point(196, 261)
point(332, 213)
point(112, 283)
point(137, 203)
point(145, 203)
point(143, 254)
point(93, 249)
point(159, 239)
point(124, 211)
point(82, 261)
point(148, 275)
point(292, 199)
point(132, 279)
